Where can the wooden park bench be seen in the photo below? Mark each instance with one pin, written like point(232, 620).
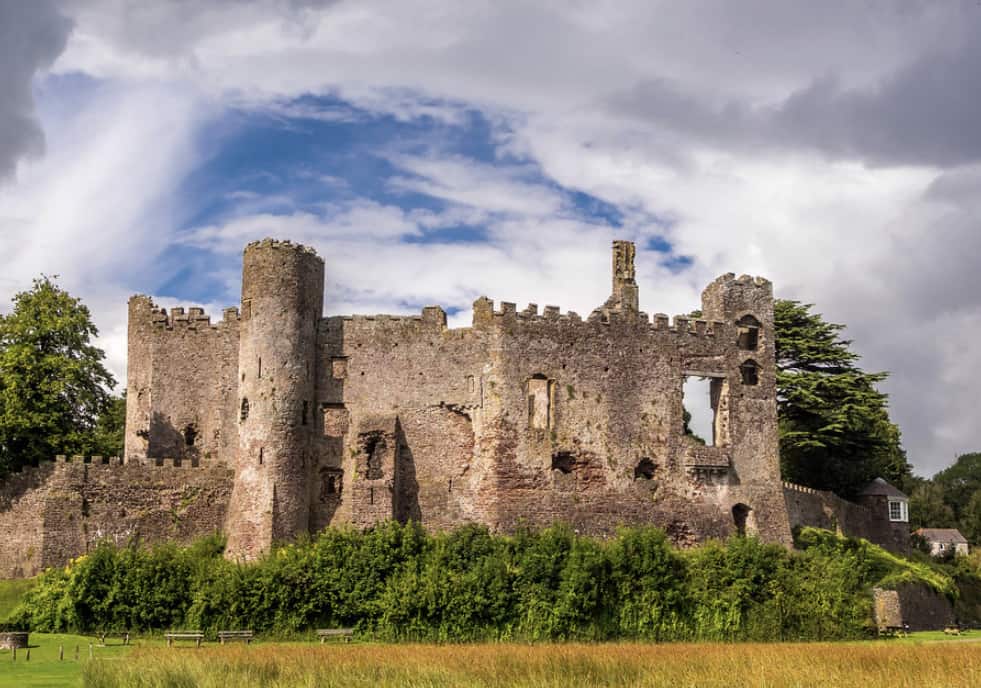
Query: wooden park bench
point(326, 634)
point(123, 635)
point(245, 636)
point(952, 630)
point(892, 631)
point(196, 636)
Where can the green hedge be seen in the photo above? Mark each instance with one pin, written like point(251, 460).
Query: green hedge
point(397, 582)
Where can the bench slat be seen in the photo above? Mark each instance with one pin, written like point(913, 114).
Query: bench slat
point(247, 636)
point(196, 636)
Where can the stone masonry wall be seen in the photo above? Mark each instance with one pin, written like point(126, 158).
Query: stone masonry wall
point(61, 509)
point(536, 418)
point(401, 411)
point(182, 391)
point(821, 509)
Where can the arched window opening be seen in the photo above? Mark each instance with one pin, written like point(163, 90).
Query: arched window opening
point(244, 413)
point(750, 372)
point(373, 445)
point(748, 328)
point(740, 515)
point(330, 484)
point(190, 435)
point(645, 469)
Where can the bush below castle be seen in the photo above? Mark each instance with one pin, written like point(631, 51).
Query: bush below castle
point(398, 582)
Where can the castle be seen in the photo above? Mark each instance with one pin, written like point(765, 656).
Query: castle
point(278, 421)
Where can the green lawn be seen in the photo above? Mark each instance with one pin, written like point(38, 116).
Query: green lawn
point(11, 592)
point(44, 670)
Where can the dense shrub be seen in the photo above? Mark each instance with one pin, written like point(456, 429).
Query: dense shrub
point(397, 582)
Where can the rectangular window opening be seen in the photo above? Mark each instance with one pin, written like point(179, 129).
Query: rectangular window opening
point(539, 403)
point(705, 406)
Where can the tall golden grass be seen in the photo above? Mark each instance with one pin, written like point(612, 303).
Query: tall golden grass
point(869, 665)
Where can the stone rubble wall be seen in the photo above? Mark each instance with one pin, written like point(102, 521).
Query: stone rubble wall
point(61, 509)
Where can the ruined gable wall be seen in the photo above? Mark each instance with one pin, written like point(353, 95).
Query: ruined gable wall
point(377, 369)
point(755, 434)
point(615, 400)
point(59, 510)
point(474, 446)
point(181, 376)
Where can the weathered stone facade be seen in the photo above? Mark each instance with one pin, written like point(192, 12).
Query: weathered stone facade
point(525, 417)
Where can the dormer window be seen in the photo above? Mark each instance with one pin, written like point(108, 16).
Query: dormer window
point(898, 511)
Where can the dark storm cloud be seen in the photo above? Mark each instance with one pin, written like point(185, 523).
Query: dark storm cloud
point(924, 113)
point(32, 34)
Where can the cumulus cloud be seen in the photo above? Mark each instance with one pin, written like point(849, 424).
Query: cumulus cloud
point(32, 35)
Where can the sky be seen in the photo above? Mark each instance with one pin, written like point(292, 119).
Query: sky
point(434, 152)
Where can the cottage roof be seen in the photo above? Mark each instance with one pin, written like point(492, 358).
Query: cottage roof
point(880, 488)
point(950, 536)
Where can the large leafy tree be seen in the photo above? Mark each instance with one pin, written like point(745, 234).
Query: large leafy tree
point(835, 431)
point(928, 507)
point(960, 481)
point(959, 486)
point(53, 384)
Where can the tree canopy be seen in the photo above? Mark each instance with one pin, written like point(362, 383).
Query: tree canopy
point(835, 432)
point(54, 387)
point(951, 499)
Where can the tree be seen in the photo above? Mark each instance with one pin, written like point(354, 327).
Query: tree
point(110, 428)
point(835, 432)
point(928, 508)
point(970, 520)
point(960, 481)
point(53, 385)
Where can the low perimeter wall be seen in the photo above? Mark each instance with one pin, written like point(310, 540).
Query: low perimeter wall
point(822, 509)
point(59, 510)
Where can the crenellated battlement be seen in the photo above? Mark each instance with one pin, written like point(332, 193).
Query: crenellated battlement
point(485, 314)
point(794, 487)
point(94, 460)
point(190, 318)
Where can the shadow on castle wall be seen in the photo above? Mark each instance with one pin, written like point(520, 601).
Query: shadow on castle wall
point(166, 440)
point(406, 505)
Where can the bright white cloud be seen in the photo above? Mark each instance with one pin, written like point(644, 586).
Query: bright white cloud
point(98, 208)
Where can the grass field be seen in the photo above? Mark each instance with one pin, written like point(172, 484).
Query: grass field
point(45, 670)
point(870, 665)
point(11, 591)
point(924, 660)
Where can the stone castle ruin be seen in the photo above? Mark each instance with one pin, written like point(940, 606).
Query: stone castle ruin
point(278, 421)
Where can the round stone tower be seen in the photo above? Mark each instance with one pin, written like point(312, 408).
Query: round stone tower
point(282, 303)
